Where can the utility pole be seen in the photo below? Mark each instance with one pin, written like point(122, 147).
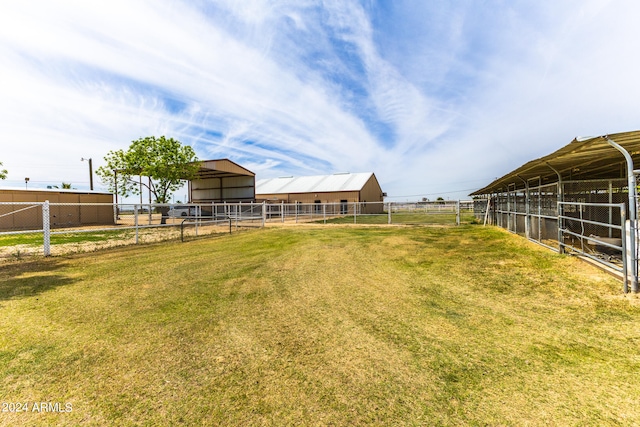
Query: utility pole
point(90, 171)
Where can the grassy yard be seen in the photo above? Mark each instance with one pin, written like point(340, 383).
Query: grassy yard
point(35, 239)
point(405, 218)
point(320, 326)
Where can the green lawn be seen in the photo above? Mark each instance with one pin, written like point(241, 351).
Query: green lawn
point(36, 239)
point(320, 326)
point(405, 218)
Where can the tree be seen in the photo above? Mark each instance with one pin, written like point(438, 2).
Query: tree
point(65, 186)
point(3, 173)
point(164, 160)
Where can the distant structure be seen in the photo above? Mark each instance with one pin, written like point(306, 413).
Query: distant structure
point(222, 181)
point(343, 188)
point(65, 209)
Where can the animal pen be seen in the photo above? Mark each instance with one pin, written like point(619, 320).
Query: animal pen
point(580, 200)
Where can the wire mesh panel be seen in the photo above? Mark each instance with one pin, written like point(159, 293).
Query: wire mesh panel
point(20, 216)
point(586, 229)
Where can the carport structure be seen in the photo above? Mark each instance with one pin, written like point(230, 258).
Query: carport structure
point(581, 199)
point(220, 181)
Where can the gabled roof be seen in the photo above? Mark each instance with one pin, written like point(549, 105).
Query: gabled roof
point(583, 158)
point(221, 168)
point(313, 184)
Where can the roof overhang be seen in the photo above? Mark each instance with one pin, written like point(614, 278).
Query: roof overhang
point(221, 168)
point(583, 158)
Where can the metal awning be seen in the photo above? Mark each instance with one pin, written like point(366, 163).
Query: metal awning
point(583, 158)
point(221, 168)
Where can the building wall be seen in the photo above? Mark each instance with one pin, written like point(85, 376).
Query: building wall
point(371, 192)
point(334, 197)
point(72, 214)
point(230, 189)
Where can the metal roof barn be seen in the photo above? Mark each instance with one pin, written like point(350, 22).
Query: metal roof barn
point(581, 199)
point(222, 181)
point(337, 188)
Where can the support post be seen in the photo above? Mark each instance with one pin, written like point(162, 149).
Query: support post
point(633, 212)
point(135, 218)
point(324, 212)
point(527, 216)
point(486, 212)
point(560, 208)
point(355, 221)
point(46, 228)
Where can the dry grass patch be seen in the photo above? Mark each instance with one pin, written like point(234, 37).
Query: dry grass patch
point(321, 326)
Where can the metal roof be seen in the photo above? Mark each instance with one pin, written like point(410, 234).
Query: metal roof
point(583, 158)
point(221, 168)
point(313, 184)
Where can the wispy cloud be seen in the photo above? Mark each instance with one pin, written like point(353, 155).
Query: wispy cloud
point(433, 97)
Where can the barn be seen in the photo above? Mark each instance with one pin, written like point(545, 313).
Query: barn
point(581, 199)
point(19, 208)
point(344, 189)
point(222, 181)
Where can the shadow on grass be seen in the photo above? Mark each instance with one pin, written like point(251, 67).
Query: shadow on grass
point(29, 278)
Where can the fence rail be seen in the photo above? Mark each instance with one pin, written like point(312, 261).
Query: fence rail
point(43, 227)
point(585, 218)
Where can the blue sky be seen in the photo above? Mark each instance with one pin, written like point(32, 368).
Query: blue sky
point(437, 98)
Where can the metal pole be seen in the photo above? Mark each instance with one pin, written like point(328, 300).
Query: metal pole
point(46, 229)
point(560, 208)
point(527, 210)
point(354, 213)
point(135, 218)
point(623, 222)
point(150, 215)
point(633, 210)
point(539, 209)
point(115, 207)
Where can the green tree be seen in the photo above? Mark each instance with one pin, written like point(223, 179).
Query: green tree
point(164, 160)
point(3, 173)
point(65, 186)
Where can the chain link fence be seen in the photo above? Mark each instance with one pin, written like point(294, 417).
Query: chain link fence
point(586, 217)
point(59, 228)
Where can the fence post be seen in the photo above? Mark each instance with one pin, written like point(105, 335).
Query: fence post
point(389, 212)
point(264, 213)
point(354, 213)
point(135, 219)
point(458, 212)
point(625, 244)
point(46, 229)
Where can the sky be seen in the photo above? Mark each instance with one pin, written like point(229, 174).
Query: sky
point(436, 97)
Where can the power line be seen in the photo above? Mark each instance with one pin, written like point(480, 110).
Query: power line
point(435, 194)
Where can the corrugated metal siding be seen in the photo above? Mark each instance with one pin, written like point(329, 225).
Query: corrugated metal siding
point(61, 215)
point(53, 196)
point(225, 165)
